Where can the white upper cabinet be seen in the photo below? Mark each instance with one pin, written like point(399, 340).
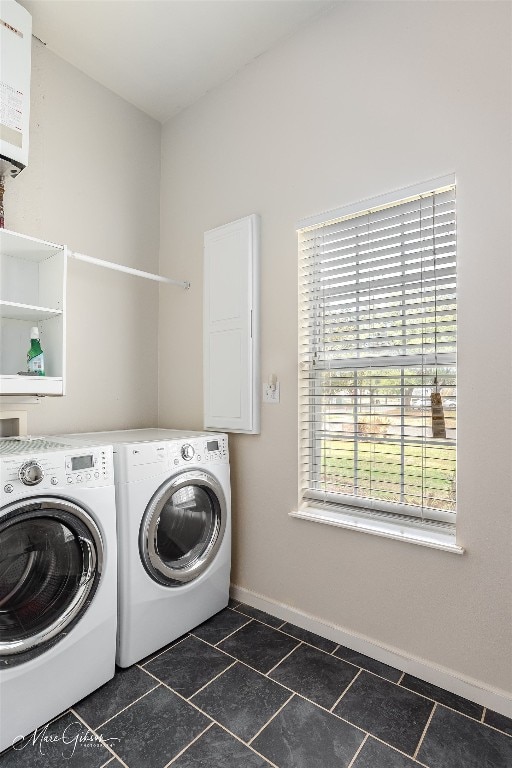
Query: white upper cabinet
point(32, 293)
point(231, 322)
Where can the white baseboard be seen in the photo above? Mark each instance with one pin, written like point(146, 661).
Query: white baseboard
point(492, 698)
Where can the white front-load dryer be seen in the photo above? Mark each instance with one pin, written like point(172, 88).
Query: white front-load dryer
point(174, 534)
point(58, 585)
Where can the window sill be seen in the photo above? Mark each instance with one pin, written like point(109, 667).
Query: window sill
point(414, 533)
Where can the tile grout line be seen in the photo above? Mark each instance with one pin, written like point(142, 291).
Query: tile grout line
point(306, 642)
point(252, 617)
point(226, 730)
point(127, 707)
point(328, 653)
point(216, 722)
point(270, 719)
point(245, 664)
point(215, 645)
point(370, 671)
point(344, 692)
point(281, 661)
point(396, 749)
point(324, 709)
point(316, 648)
point(358, 750)
point(305, 698)
point(163, 651)
point(447, 706)
point(418, 762)
point(241, 661)
point(422, 695)
point(279, 629)
point(211, 645)
point(263, 674)
point(416, 751)
point(210, 725)
point(180, 695)
point(212, 680)
point(497, 730)
point(100, 738)
point(287, 688)
point(239, 610)
point(298, 640)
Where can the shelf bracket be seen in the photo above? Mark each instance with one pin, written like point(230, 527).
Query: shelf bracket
point(129, 270)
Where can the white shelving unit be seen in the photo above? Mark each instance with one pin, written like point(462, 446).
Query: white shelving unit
point(32, 292)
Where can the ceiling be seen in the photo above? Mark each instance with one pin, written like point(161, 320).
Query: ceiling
point(162, 55)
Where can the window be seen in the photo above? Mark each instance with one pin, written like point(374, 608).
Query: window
point(378, 359)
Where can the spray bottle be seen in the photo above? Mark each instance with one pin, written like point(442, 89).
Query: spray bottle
point(35, 357)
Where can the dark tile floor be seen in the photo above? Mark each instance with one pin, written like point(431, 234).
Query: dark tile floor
point(245, 690)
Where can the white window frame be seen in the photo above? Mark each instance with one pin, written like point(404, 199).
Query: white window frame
point(387, 519)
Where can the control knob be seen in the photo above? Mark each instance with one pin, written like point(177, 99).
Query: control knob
point(31, 473)
point(187, 452)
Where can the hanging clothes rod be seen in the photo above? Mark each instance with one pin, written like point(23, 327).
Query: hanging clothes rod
point(129, 270)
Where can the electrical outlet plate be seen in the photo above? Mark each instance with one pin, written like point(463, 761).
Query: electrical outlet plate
point(271, 394)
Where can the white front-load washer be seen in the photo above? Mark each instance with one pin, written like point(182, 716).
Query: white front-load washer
point(58, 585)
point(174, 533)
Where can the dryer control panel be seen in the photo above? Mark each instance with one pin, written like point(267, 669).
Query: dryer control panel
point(140, 460)
point(199, 450)
point(49, 471)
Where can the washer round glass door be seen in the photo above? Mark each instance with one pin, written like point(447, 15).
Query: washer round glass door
point(183, 527)
point(50, 562)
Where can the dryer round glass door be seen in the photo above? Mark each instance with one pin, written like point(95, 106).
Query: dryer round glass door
point(183, 527)
point(50, 562)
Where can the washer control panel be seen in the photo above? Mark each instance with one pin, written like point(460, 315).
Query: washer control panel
point(86, 467)
point(89, 467)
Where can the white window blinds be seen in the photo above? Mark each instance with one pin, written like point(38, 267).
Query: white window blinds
point(377, 348)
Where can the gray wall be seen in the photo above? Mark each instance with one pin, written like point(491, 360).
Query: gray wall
point(93, 183)
point(370, 98)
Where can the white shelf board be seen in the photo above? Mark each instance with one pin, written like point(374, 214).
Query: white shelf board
point(13, 384)
point(15, 311)
point(25, 247)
